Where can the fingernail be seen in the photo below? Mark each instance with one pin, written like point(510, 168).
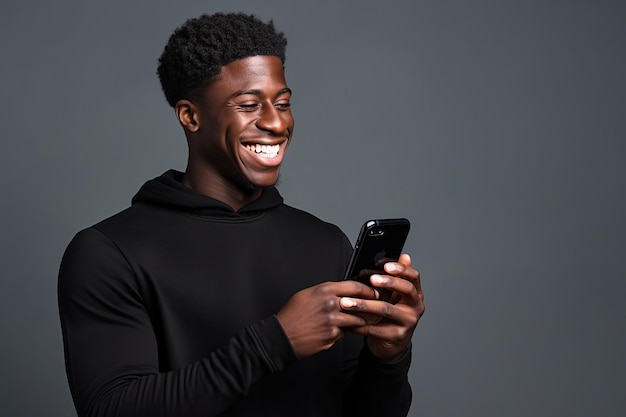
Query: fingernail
point(389, 267)
point(377, 279)
point(347, 302)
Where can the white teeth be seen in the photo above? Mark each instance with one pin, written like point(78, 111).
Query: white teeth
point(268, 151)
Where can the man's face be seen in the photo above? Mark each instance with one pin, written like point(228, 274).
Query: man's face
point(245, 124)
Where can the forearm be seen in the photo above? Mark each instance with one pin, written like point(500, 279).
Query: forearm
point(203, 388)
point(379, 388)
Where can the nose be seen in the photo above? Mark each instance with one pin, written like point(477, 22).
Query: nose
point(274, 120)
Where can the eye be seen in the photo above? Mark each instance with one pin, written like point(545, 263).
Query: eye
point(249, 106)
point(283, 105)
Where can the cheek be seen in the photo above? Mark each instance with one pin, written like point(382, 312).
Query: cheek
point(240, 125)
point(231, 133)
point(288, 118)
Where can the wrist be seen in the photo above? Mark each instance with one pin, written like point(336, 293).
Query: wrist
point(387, 352)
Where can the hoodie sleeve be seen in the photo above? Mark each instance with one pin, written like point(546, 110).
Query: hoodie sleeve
point(378, 388)
point(112, 354)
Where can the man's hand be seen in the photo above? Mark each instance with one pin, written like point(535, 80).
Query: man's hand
point(313, 319)
point(388, 337)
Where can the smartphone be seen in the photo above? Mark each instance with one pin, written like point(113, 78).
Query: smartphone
point(379, 241)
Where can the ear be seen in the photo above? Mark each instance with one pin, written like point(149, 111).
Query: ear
point(188, 115)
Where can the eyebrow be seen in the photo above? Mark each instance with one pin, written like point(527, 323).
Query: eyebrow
point(259, 92)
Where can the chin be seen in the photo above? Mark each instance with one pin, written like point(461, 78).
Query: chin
point(252, 185)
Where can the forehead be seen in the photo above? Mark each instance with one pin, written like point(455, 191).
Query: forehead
point(264, 73)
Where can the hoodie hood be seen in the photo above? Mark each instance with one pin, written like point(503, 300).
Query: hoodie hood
point(168, 190)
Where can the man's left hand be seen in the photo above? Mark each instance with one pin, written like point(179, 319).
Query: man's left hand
point(390, 336)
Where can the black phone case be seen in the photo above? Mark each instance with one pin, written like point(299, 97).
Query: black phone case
point(378, 240)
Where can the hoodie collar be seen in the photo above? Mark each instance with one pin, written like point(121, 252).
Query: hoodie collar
point(168, 190)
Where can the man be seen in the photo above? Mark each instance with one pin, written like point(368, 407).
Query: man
point(211, 297)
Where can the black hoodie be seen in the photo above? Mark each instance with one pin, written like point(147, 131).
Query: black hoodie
point(168, 309)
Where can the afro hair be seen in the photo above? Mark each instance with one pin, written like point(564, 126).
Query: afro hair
point(197, 50)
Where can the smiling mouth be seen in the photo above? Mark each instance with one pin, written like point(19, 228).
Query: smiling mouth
point(265, 151)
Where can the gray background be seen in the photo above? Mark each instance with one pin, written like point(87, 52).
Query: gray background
point(497, 127)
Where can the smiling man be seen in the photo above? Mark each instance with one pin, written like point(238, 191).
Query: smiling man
point(239, 131)
point(209, 296)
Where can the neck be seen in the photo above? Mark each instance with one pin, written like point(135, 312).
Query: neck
point(216, 187)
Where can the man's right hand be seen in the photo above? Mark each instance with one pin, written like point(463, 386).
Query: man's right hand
point(313, 319)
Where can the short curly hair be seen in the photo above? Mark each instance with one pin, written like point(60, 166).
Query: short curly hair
point(197, 50)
